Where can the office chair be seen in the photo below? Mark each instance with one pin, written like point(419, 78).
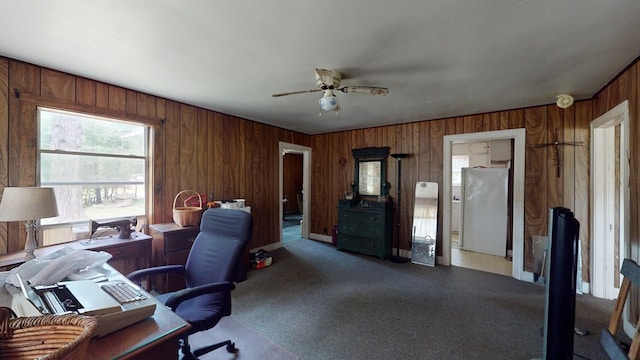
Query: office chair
point(209, 275)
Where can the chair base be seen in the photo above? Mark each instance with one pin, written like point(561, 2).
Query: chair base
point(187, 354)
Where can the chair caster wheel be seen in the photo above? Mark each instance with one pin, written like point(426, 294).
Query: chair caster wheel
point(231, 348)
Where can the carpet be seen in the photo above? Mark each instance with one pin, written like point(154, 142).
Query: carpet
point(251, 346)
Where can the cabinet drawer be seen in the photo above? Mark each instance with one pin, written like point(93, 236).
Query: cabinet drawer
point(362, 245)
point(374, 231)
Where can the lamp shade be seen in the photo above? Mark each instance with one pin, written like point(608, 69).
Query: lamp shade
point(328, 101)
point(27, 203)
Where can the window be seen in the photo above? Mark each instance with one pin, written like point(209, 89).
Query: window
point(97, 166)
point(457, 163)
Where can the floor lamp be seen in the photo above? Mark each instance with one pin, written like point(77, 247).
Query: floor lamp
point(397, 258)
point(28, 204)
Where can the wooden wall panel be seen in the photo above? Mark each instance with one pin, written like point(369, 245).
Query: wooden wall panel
point(535, 197)
point(555, 156)
point(131, 102)
point(117, 98)
point(58, 85)
point(4, 142)
point(85, 91)
point(102, 95)
point(187, 148)
point(581, 187)
point(170, 161)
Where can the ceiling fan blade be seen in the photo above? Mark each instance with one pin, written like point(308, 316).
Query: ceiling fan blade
point(365, 90)
point(296, 92)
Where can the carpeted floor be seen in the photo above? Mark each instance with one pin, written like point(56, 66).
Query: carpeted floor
point(251, 346)
point(320, 303)
point(291, 227)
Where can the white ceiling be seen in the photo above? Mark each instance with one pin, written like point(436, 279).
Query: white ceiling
point(438, 58)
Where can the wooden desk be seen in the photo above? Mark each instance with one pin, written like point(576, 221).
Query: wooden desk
point(128, 254)
point(153, 338)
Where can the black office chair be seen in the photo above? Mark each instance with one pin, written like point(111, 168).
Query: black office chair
point(209, 275)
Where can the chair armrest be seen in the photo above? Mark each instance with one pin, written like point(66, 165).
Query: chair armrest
point(189, 293)
point(166, 269)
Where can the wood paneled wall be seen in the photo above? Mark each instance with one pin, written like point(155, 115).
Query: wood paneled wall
point(209, 152)
point(543, 189)
point(193, 148)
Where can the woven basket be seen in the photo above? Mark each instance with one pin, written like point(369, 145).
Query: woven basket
point(187, 215)
point(50, 337)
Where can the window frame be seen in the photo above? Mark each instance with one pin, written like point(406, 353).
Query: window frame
point(146, 182)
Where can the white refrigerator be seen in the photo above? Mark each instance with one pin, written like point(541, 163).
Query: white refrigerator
point(484, 210)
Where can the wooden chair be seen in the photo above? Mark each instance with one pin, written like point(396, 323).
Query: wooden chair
point(631, 272)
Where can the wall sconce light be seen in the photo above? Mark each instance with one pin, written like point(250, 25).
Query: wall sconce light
point(28, 204)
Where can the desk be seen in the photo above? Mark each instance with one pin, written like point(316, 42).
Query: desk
point(128, 254)
point(153, 338)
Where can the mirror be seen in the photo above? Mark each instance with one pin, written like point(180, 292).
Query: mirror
point(425, 224)
point(370, 175)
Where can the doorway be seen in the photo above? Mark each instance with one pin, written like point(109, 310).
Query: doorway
point(297, 224)
point(517, 201)
point(610, 199)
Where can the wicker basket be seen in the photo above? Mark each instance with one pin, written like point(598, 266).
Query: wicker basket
point(187, 215)
point(44, 337)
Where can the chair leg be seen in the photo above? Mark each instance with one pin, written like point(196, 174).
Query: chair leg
point(230, 346)
point(185, 348)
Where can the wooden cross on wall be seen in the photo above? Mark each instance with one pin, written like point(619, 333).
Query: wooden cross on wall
point(556, 147)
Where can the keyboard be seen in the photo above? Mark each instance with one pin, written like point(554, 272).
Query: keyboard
point(123, 292)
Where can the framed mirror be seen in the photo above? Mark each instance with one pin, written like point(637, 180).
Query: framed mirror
point(425, 224)
point(370, 175)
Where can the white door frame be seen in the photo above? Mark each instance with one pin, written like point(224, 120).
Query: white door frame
point(306, 182)
point(518, 135)
point(602, 198)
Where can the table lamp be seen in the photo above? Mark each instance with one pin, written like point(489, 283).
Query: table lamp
point(28, 204)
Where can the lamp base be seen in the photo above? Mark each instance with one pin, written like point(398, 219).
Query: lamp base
point(30, 244)
point(399, 259)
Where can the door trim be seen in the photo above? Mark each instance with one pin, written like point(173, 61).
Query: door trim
point(306, 183)
point(519, 136)
point(601, 136)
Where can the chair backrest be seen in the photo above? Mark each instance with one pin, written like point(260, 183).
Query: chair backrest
point(224, 234)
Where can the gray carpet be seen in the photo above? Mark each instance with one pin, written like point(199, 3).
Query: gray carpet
point(291, 227)
point(250, 345)
point(320, 303)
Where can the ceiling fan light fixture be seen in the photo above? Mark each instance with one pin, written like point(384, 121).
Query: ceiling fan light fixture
point(328, 101)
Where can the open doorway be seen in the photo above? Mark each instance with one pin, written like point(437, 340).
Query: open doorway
point(294, 190)
point(517, 139)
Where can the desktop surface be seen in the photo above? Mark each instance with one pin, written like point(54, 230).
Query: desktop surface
point(155, 337)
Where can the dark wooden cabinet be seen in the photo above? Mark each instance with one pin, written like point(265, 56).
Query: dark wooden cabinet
point(365, 227)
point(170, 246)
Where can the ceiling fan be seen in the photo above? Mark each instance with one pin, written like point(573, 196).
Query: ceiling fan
point(328, 81)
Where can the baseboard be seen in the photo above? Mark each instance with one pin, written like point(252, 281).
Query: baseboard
point(586, 287)
point(269, 247)
point(321, 237)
